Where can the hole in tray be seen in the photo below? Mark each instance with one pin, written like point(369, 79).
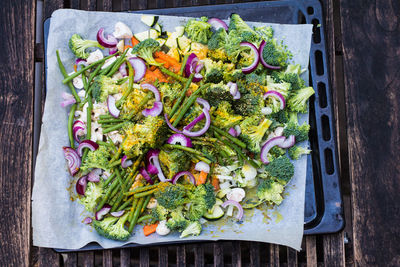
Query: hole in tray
point(316, 31)
point(319, 62)
point(329, 161)
point(326, 129)
point(310, 10)
point(301, 19)
point(323, 102)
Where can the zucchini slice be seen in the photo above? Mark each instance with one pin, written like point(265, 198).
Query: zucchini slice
point(149, 20)
point(158, 28)
point(215, 214)
point(180, 30)
point(141, 36)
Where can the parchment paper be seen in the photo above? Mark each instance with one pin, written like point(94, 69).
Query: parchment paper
point(57, 221)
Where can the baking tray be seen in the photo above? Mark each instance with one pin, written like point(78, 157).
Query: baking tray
point(323, 211)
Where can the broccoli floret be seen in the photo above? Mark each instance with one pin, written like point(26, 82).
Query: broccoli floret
point(234, 75)
point(198, 31)
point(194, 228)
point(298, 101)
point(216, 93)
point(150, 133)
point(113, 227)
point(279, 117)
point(169, 92)
point(216, 45)
point(295, 152)
point(275, 54)
point(239, 27)
point(281, 169)
point(145, 50)
point(299, 131)
point(255, 78)
point(201, 200)
point(249, 104)
point(159, 213)
point(97, 159)
point(177, 222)
point(104, 86)
point(171, 196)
point(265, 32)
point(253, 131)
point(214, 71)
point(93, 192)
point(290, 75)
point(173, 161)
point(271, 191)
point(78, 46)
point(224, 116)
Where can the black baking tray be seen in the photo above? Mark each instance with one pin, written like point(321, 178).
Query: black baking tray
point(323, 203)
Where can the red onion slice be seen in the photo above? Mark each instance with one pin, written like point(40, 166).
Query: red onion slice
point(102, 212)
point(238, 130)
point(180, 139)
point(112, 108)
point(170, 125)
point(108, 42)
point(194, 122)
point(233, 88)
point(146, 176)
point(125, 162)
point(153, 159)
point(152, 88)
point(122, 70)
point(254, 64)
point(279, 141)
point(180, 174)
point(206, 107)
point(78, 123)
point(278, 96)
point(117, 213)
point(201, 166)
point(239, 215)
point(112, 50)
point(94, 175)
point(87, 220)
point(68, 102)
point(233, 132)
point(216, 23)
point(192, 67)
point(78, 131)
point(261, 49)
point(154, 111)
point(87, 144)
point(199, 66)
point(73, 159)
point(237, 96)
point(81, 185)
point(80, 61)
point(150, 166)
point(139, 66)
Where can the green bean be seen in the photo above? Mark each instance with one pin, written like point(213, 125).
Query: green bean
point(88, 125)
point(190, 150)
point(121, 183)
point(173, 74)
point(65, 74)
point(228, 136)
point(109, 179)
point(117, 64)
point(114, 127)
point(146, 193)
point(76, 74)
point(106, 116)
point(70, 124)
point(146, 202)
point(130, 87)
point(108, 194)
point(135, 217)
point(103, 143)
point(84, 81)
point(181, 96)
point(142, 103)
point(123, 80)
point(185, 58)
point(109, 120)
point(126, 204)
point(142, 189)
point(133, 209)
point(187, 104)
point(144, 217)
point(112, 144)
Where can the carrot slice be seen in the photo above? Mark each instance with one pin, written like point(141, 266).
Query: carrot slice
point(149, 229)
point(134, 41)
point(202, 178)
point(75, 68)
point(215, 182)
point(174, 65)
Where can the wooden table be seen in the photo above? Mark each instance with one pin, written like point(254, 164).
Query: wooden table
point(364, 57)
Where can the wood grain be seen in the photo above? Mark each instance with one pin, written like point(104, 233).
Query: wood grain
point(163, 256)
point(198, 250)
point(334, 250)
point(181, 256)
point(107, 258)
point(273, 255)
point(236, 253)
point(16, 108)
point(144, 257)
point(125, 257)
point(311, 251)
point(371, 41)
point(70, 259)
point(218, 254)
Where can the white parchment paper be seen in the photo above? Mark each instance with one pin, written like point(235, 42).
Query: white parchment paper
point(57, 221)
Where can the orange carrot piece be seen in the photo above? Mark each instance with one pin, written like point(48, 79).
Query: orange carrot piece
point(127, 46)
point(75, 68)
point(149, 229)
point(215, 183)
point(175, 66)
point(134, 41)
point(202, 178)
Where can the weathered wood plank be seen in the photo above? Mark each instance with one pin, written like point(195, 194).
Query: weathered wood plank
point(162, 256)
point(334, 250)
point(125, 257)
point(236, 253)
point(371, 38)
point(254, 254)
point(138, 4)
point(181, 256)
point(107, 5)
point(291, 257)
point(198, 250)
point(88, 258)
point(70, 259)
point(107, 258)
point(144, 257)
point(16, 108)
point(311, 251)
point(46, 257)
point(51, 5)
point(273, 255)
point(218, 254)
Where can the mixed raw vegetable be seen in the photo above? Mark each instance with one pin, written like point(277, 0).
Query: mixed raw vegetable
point(173, 129)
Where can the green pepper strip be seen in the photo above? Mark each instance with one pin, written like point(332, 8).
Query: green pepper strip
point(228, 136)
point(70, 123)
point(65, 74)
point(173, 74)
point(181, 96)
point(135, 217)
point(76, 74)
